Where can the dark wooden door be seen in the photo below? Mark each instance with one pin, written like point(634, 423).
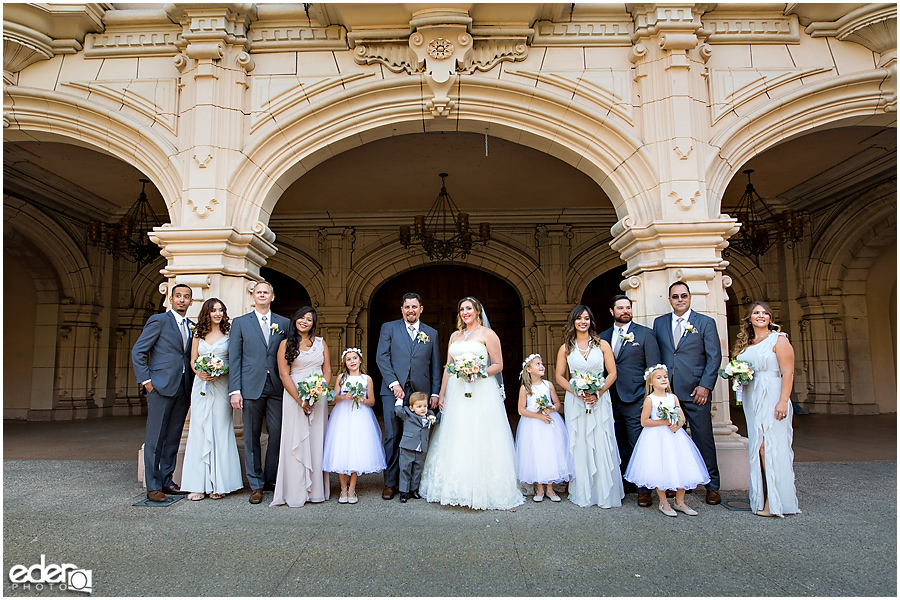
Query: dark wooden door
point(441, 287)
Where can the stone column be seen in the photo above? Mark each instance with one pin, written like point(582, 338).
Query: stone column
point(685, 237)
point(554, 255)
point(78, 362)
point(821, 371)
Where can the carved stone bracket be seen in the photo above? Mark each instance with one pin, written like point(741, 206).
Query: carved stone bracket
point(440, 44)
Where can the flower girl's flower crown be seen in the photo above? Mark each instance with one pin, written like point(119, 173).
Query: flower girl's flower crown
point(653, 368)
point(530, 358)
point(345, 352)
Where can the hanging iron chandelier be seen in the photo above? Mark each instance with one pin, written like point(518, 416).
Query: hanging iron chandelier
point(761, 227)
point(128, 238)
point(444, 233)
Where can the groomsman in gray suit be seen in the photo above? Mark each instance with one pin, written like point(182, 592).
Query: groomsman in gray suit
point(162, 364)
point(255, 386)
point(690, 348)
point(409, 360)
point(635, 349)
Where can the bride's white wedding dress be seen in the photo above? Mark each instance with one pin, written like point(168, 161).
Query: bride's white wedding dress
point(471, 456)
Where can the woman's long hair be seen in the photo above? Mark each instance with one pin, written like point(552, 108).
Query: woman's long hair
point(204, 319)
point(292, 347)
point(478, 309)
point(747, 334)
point(570, 327)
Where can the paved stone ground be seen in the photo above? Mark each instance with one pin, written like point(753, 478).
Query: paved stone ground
point(80, 512)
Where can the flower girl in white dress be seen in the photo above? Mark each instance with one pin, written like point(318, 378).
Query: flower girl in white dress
point(542, 444)
point(664, 456)
point(353, 440)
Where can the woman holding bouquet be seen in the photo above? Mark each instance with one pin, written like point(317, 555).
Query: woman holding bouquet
point(471, 457)
point(589, 419)
point(301, 356)
point(768, 409)
point(211, 463)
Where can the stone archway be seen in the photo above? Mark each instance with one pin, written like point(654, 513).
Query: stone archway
point(441, 286)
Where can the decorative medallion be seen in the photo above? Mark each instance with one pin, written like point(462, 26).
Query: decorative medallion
point(440, 48)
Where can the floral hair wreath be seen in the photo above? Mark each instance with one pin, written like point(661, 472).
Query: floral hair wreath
point(654, 368)
point(530, 358)
point(345, 352)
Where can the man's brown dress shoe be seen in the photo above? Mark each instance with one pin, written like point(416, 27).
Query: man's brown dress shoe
point(713, 497)
point(156, 496)
point(255, 496)
point(644, 499)
point(173, 490)
point(388, 493)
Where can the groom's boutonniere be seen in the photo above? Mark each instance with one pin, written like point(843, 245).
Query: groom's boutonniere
point(688, 327)
point(422, 338)
point(628, 338)
point(191, 327)
point(275, 329)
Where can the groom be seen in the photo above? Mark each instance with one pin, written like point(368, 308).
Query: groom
point(255, 386)
point(409, 360)
point(162, 364)
point(690, 348)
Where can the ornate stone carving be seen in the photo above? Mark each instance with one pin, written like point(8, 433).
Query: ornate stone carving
point(727, 27)
point(203, 207)
point(439, 58)
point(684, 201)
point(611, 31)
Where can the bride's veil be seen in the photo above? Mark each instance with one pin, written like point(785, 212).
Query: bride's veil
point(498, 376)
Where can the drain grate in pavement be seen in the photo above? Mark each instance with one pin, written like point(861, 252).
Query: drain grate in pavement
point(739, 504)
point(167, 502)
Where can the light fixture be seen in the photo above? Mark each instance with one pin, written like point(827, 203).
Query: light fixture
point(128, 238)
point(759, 233)
point(444, 233)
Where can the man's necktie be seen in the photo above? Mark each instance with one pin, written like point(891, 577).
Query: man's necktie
point(679, 330)
point(265, 326)
point(620, 337)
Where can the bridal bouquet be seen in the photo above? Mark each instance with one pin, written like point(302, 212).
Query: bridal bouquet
point(358, 390)
point(211, 365)
point(741, 373)
point(468, 367)
point(313, 388)
point(587, 383)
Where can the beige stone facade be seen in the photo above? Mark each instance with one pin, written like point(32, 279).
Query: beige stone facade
point(590, 137)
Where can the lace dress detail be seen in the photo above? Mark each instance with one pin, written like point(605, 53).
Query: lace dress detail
point(300, 476)
point(211, 460)
point(471, 457)
point(592, 441)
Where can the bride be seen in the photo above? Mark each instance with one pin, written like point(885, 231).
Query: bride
point(471, 458)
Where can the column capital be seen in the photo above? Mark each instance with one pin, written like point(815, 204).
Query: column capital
point(214, 251)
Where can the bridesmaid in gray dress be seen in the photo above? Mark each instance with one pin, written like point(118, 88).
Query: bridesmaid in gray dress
point(211, 461)
point(768, 409)
point(300, 477)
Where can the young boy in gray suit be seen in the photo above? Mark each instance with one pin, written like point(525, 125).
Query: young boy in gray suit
point(414, 443)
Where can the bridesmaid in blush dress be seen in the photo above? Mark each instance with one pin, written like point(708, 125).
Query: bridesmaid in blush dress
point(300, 476)
point(768, 409)
point(589, 419)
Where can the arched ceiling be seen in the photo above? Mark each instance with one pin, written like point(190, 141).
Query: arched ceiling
point(401, 173)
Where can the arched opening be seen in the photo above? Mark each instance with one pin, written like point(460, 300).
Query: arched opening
point(598, 294)
point(441, 287)
point(18, 338)
point(881, 308)
point(289, 293)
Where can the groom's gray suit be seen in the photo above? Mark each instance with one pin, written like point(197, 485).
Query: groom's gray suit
point(253, 371)
point(416, 365)
point(161, 356)
point(694, 362)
